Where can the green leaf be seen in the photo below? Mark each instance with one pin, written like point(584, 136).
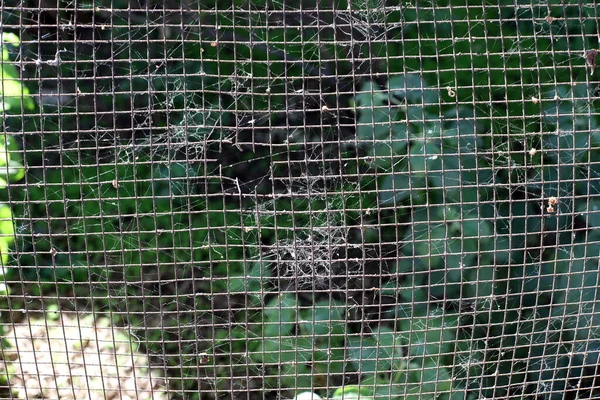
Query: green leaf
point(325, 321)
point(8, 38)
point(388, 154)
point(460, 122)
point(413, 88)
point(400, 187)
point(414, 381)
point(424, 157)
point(286, 350)
point(329, 361)
point(426, 239)
point(6, 232)
point(435, 380)
point(590, 210)
point(280, 316)
point(250, 282)
point(374, 353)
point(447, 283)
point(375, 115)
point(6, 221)
point(290, 356)
point(459, 394)
point(12, 92)
point(575, 276)
point(429, 336)
point(351, 392)
point(370, 95)
point(563, 114)
point(296, 376)
point(253, 284)
point(381, 388)
point(427, 160)
point(385, 137)
point(414, 291)
point(14, 170)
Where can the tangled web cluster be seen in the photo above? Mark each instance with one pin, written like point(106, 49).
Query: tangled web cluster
point(307, 259)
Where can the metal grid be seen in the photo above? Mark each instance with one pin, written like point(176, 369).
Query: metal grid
point(276, 199)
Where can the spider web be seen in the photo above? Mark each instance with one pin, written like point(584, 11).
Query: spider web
point(256, 89)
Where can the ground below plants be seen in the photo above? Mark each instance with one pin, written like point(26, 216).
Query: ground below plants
point(71, 357)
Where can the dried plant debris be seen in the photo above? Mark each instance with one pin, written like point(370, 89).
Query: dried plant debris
point(590, 59)
point(310, 259)
point(77, 358)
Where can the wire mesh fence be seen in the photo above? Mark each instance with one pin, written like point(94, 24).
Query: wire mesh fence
point(270, 199)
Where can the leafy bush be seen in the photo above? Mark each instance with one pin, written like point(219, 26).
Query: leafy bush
point(455, 257)
point(455, 252)
point(467, 199)
point(13, 95)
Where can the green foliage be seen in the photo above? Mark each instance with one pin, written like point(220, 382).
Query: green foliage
point(351, 392)
point(12, 95)
point(11, 170)
point(471, 187)
point(407, 363)
point(458, 171)
point(291, 340)
point(412, 362)
point(440, 176)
